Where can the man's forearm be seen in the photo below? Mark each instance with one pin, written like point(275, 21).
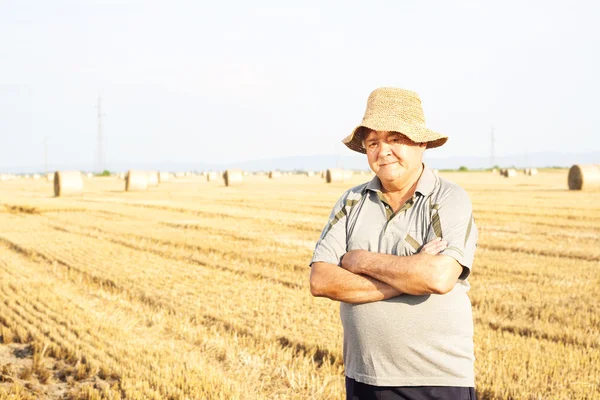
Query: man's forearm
point(418, 274)
point(335, 283)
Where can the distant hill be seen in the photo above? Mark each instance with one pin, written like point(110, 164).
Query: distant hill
point(355, 162)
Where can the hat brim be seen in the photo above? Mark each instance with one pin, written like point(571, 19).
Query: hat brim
point(416, 134)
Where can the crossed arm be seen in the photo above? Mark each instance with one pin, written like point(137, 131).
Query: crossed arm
point(366, 277)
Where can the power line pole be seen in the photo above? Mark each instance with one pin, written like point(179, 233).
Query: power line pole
point(99, 145)
point(492, 149)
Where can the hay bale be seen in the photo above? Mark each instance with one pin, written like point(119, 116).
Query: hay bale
point(67, 183)
point(233, 177)
point(334, 175)
point(50, 177)
point(274, 174)
point(152, 178)
point(530, 171)
point(212, 176)
point(584, 177)
point(136, 180)
point(511, 172)
point(164, 176)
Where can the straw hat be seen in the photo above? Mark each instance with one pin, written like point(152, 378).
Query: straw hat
point(395, 110)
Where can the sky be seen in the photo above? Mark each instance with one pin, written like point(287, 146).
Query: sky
point(230, 81)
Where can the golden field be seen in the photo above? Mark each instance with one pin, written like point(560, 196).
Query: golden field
point(194, 290)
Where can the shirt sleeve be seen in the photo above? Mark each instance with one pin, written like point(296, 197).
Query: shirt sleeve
point(453, 221)
point(332, 244)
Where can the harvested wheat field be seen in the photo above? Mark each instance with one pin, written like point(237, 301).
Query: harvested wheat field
point(195, 290)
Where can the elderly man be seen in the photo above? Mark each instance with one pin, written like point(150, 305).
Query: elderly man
point(396, 253)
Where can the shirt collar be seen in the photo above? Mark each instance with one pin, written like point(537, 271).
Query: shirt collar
point(425, 185)
point(426, 182)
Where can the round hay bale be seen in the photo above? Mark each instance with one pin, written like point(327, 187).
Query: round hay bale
point(233, 177)
point(583, 177)
point(511, 172)
point(164, 176)
point(530, 171)
point(67, 183)
point(274, 174)
point(136, 180)
point(334, 175)
point(212, 176)
point(152, 178)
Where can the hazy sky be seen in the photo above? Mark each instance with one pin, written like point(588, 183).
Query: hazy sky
point(226, 81)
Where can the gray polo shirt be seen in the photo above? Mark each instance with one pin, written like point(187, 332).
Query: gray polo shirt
point(407, 340)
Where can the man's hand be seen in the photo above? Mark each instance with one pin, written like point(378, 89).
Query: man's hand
point(434, 247)
point(353, 259)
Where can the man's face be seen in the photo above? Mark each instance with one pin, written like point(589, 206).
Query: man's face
point(392, 156)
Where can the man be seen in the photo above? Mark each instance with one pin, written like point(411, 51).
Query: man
point(396, 253)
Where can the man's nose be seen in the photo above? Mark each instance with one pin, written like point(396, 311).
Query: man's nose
point(384, 149)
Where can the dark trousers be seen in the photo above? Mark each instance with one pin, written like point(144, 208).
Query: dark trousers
point(362, 391)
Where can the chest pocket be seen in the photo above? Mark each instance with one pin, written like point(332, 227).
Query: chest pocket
point(422, 228)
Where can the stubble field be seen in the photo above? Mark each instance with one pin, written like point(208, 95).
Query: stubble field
point(194, 290)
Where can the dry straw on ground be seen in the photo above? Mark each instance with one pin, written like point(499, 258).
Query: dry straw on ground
point(136, 180)
point(67, 183)
point(233, 177)
point(584, 177)
point(196, 291)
